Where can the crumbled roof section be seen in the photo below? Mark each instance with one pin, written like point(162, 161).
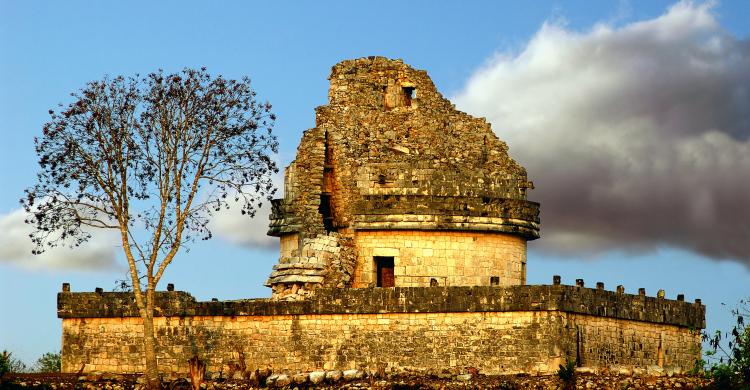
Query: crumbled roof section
point(388, 147)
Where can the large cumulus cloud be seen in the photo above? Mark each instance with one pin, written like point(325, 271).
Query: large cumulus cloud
point(636, 137)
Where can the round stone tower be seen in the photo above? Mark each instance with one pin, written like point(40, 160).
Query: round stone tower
point(395, 187)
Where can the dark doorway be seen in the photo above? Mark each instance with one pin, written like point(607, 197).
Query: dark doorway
point(325, 212)
point(384, 265)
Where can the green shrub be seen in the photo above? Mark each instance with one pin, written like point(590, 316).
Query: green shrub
point(4, 366)
point(567, 374)
point(10, 364)
point(49, 362)
point(729, 353)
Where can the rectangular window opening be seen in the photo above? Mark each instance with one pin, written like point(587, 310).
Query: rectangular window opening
point(408, 95)
point(384, 266)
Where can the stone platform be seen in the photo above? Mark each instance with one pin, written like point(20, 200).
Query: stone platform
point(497, 330)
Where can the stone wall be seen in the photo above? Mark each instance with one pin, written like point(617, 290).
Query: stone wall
point(451, 258)
point(496, 330)
point(289, 245)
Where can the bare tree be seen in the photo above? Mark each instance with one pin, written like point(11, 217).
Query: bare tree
point(151, 158)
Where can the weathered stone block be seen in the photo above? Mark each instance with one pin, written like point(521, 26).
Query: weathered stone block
point(351, 375)
point(317, 377)
point(333, 376)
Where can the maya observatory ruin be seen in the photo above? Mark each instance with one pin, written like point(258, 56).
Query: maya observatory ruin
point(403, 233)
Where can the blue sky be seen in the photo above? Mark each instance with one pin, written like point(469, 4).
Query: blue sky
point(480, 55)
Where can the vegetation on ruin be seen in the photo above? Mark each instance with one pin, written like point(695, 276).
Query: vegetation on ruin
point(567, 374)
point(729, 353)
point(151, 158)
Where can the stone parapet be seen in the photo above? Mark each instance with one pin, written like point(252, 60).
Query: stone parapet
point(562, 298)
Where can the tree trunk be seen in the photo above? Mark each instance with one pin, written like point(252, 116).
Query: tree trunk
point(149, 343)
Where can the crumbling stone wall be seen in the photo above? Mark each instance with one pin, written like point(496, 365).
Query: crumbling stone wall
point(390, 153)
point(497, 330)
point(326, 260)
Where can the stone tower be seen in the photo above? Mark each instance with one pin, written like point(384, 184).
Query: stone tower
point(395, 187)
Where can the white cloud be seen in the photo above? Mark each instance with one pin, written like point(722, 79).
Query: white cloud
point(99, 252)
point(238, 229)
point(233, 227)
point(636, 136)
point(16, 246)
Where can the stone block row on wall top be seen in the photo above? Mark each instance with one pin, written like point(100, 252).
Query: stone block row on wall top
point(571, 299)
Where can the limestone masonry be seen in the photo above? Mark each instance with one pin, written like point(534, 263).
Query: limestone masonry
point(403, 232)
